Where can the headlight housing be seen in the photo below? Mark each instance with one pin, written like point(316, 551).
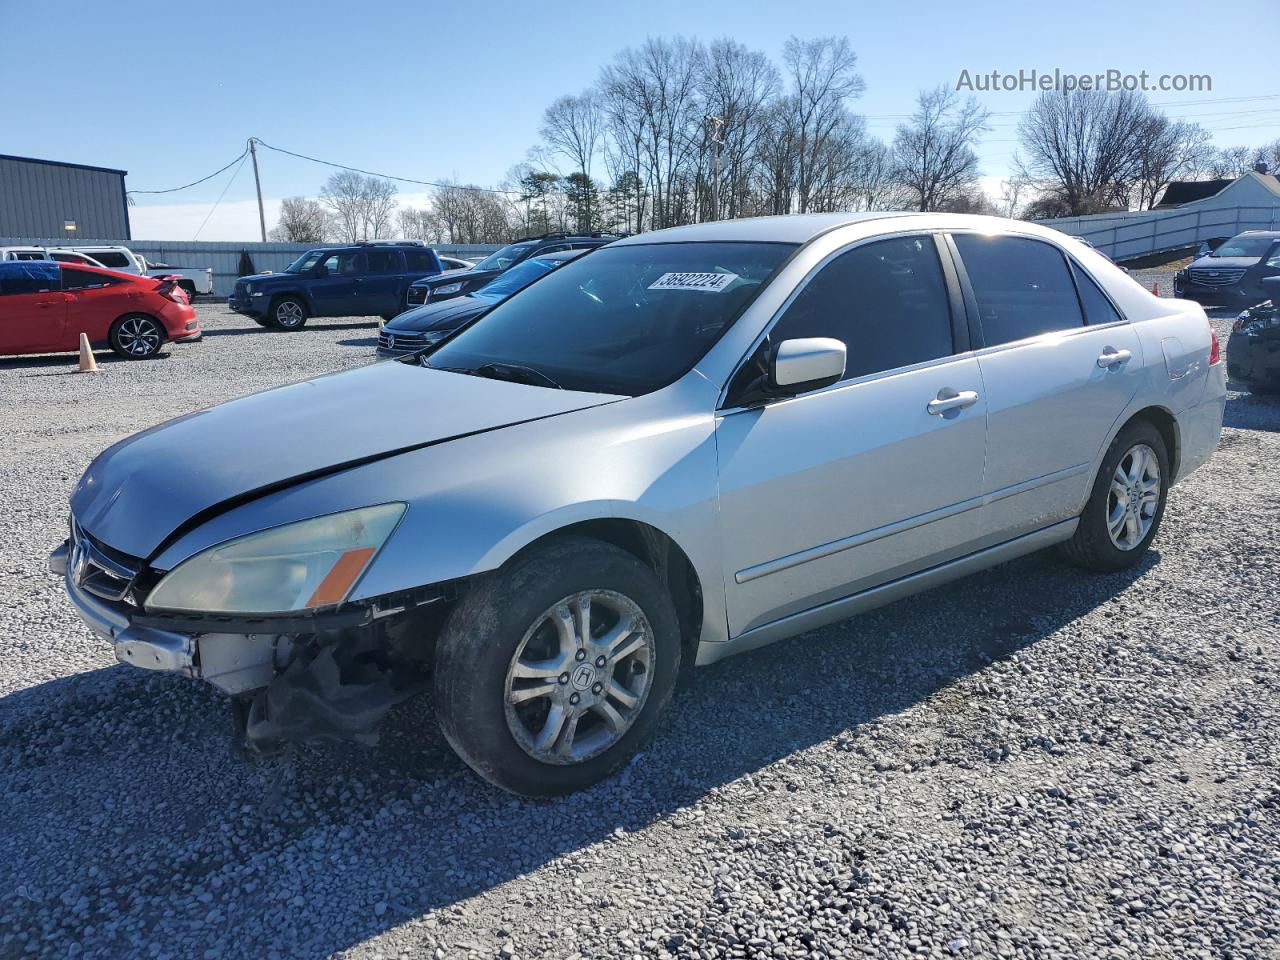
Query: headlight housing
point(297, 566)
point(446, 288)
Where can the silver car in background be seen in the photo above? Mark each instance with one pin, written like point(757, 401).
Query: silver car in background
point(684, 445)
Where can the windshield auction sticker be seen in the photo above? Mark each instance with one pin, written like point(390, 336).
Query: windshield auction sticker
point(704, 282)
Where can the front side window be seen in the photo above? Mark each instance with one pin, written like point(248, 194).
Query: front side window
point(28, 276)
point(1022, 286)
point(886, 301)
point(336, 264)
point(625, 320)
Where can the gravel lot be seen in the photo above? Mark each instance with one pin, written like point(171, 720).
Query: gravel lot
point(1032, 762)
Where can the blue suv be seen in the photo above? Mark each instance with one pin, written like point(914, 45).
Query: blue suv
point(353, 280)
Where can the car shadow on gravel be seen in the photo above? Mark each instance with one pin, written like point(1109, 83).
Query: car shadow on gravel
point(1252, 411)
point(321, 326)
point(123, 780)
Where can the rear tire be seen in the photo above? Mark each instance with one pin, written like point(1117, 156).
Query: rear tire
point(1127, 503)
point(137, 336)
point(524, 699)
point(190, 289)
point(288, 313)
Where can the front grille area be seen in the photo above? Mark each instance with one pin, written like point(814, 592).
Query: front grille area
point(100, 570)
point(1224, 277)
point(401, 341)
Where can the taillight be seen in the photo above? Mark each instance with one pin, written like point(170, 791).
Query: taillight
point(1215, 348)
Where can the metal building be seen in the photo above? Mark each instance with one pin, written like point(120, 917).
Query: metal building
point(45, 198)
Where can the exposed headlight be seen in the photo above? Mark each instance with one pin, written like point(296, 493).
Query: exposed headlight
point(297, 566)
point(447, 288)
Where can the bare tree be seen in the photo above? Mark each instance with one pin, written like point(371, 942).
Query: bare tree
point(735, 89)
point(822, 78)
point(1170, 150)
point(1086, 146)
point(302, 220)
point(572, 126)
point(419, 224)
point(1230, 162)
point(933, 152)
point(362, 206)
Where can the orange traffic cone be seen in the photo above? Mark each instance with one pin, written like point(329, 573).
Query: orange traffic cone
point(87, 363)
point(1155, 289)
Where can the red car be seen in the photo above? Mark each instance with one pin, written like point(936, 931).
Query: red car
point(45, 306)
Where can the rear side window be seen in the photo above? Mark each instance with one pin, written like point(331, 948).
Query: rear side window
point(73, 279)
point(113, 260)
point(1097, 308)
point(887, 301)
point(417, 260)
point(1022, 286)
point(384, 261)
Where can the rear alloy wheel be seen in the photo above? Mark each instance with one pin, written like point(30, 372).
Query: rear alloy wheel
point(137, 337)
point(552, 672)
point(1127, 503)
point(288, 314)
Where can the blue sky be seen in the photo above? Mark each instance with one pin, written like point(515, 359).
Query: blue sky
point(433, 90)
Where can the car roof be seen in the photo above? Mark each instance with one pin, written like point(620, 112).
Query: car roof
point(1263, 234)
point(559, 256)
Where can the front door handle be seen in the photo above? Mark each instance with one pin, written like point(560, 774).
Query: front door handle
point(949, 400)
point(1111, 357)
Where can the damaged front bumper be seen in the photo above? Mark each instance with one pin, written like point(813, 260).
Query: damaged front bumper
point(328, 675)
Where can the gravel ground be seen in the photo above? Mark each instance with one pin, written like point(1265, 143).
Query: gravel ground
point(1032, 762)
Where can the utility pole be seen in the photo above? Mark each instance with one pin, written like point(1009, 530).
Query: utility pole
point(257, 183)
point(717, 138)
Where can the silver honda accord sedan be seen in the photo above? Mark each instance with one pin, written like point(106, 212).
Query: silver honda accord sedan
point(681, 446)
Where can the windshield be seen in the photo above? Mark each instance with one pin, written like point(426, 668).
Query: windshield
point(1244, 247)
point(504, 257)
point(517, 278)
point(305, 262)
point(625, 320)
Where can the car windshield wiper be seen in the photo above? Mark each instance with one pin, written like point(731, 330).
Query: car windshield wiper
point(508, 372)
point(515, 373)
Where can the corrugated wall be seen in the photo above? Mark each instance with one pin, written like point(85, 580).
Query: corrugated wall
point(36, 199)
point(224, 258)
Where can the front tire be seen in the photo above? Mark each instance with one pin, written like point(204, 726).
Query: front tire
point(136, 337)
point(1127, 504)
point(552, 672)
point(288, 313)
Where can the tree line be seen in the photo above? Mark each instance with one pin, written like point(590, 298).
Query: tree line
point(675, 131)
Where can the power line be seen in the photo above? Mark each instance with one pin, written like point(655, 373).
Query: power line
point(197, 182)
point(385, 176)
point(220, 196)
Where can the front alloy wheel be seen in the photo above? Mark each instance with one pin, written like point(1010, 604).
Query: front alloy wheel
point(137, 337)
point(551, 672)
point(579, 677)
point(288, 314)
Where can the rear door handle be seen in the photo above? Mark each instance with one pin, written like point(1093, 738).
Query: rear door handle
point(1111, 357)
point(949, 399)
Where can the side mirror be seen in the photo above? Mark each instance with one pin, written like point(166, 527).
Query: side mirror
point(319, 272)
point(807, 364)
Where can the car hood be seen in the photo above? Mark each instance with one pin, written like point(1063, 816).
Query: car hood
point(444, 315)
point(444, 276)
point(1223, 263)
point(145, 489)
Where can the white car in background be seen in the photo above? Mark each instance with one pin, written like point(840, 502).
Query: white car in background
point(194, 280)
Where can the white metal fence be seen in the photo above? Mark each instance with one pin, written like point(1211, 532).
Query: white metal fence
point(1123, 236)
point(224, 258)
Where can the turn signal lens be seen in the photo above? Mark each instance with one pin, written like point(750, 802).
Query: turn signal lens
point(1215, 348)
